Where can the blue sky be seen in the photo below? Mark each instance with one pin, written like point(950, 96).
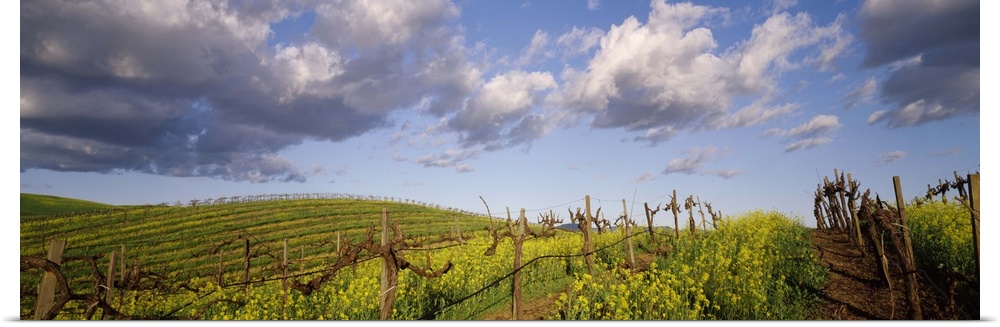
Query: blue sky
point(528, 104)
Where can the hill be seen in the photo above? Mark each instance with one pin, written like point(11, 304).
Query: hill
point(44, 205)
point(189, 238)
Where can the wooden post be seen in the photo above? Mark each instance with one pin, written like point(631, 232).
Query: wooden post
point(219, 281)
point(588, 247)
point(108, 296)
point(839, 179)
point(649, 220)
point(518, 237)
point(122, 277)
point(628, 242)
point(673, 208)
point(338, 242)
point(302, 259)
point(831, 220)
point(47, 289)
point(689, 206)
point(387, 291)
point(246, 263)
point(974, 205)
point(284, 280)
point(701, 211)
point(909, 261)
point(851, 192)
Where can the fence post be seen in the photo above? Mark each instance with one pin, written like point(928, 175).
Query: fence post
point(108, 296)
point(909, 261)
point(701, 211)
point(47, 289)
point(221, 268)
point(673, 208)
point(284, 279)
point(246, 263)
point(649, 221)
point(628, 241)
point(851, 192)
point(387, 291)
point(689, 206)
point(832, 204)
point(839, 180)
point(122, 277)
point(974, 205)
point(588, 247)
point(518, 237)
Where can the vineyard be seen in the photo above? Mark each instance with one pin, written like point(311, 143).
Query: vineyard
point(346, 257)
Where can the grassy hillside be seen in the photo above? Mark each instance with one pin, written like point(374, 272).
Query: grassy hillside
point(180, 251)
point(42, 205)
point(168, 239)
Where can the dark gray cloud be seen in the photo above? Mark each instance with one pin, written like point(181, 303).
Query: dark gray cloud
point(200, 89)
point(932, 49)
point(899, 29)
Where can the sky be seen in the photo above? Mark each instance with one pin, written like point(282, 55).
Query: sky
point(528, 104)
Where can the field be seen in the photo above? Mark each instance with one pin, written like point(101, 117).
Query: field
point(228, 260)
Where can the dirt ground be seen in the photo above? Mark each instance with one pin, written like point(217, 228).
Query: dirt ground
point(856, 289)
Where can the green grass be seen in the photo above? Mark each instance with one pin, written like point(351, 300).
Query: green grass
point(45, 205)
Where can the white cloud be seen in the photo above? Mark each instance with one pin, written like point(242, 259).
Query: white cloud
point(876, 116)
point(579, 40)
point(771, 44)
point(888, 157)
point(862, 94)
point(696, 158)
point(305, 68)
point(652, 78)
point(645, 177)
point(380, 23)
point(536, 49)
point(657, 134)
point(593, 4)
point(821, 124)
point(778, 6)
point(807, 143)
point(726, 173)
point(450, 158)
point(501, 106)
point(811, 134)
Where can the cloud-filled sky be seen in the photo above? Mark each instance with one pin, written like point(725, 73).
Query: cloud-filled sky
point(529, 104)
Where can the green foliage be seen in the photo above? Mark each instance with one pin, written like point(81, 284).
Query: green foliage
point(759, 266)
point(942, 236)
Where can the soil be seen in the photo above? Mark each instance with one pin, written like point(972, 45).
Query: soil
point(856, 289)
